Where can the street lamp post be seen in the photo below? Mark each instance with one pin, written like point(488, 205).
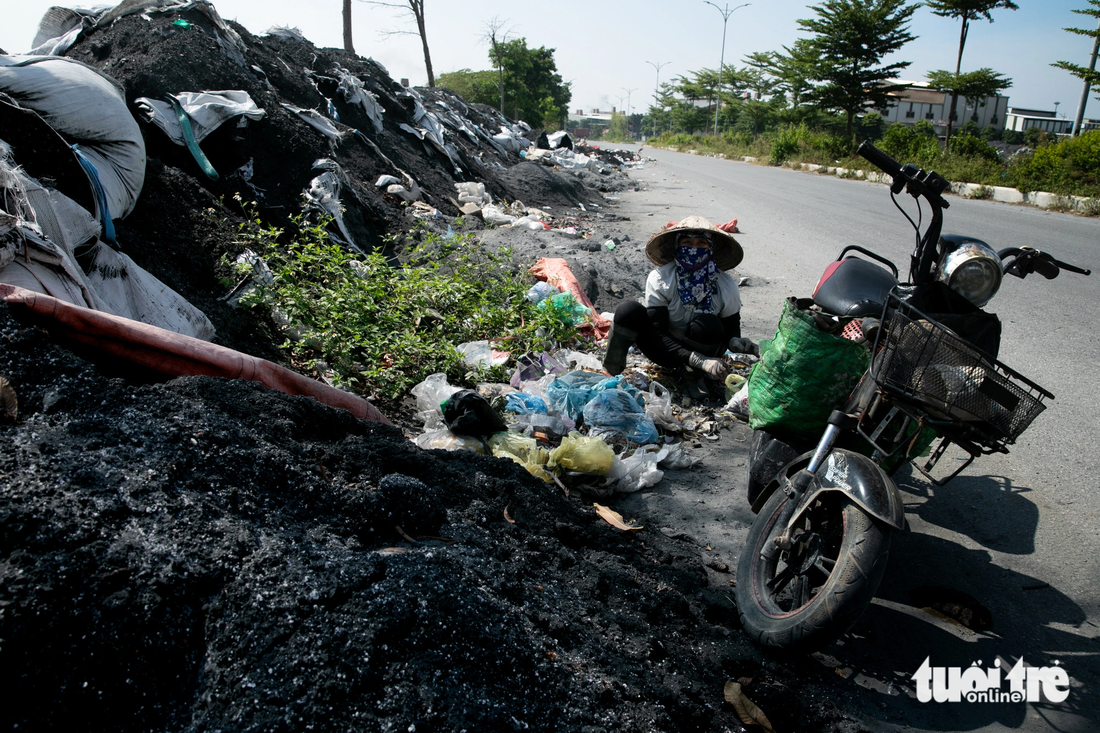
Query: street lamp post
point(726, 13)
point(628, 92)
point(657, 86)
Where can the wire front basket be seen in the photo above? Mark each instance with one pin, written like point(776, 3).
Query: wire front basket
point(919, 359)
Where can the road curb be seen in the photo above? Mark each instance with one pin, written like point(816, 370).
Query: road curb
point(1004, 194)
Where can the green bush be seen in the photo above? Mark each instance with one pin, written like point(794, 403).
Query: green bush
point(786, 144)
point(378, 329)
point(911, 144)
point(969, 146)
point(1070, 167)
point(1034, 137)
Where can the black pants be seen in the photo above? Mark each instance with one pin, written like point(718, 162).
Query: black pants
point(707, 333)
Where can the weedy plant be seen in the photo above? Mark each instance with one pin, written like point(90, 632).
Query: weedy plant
point(378, 328)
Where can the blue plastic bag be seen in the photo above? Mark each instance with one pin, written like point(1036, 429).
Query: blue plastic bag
point(569, 393)
point(616, 411)
point(522, 403)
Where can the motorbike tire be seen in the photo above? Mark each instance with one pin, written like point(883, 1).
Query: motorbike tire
point(767, 454)
point(857, 547)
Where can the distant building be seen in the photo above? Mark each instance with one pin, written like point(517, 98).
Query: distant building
point(585, 124)
point(918, 101)
point(1020, 119)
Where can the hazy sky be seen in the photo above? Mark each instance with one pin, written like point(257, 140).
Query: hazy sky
point(603, 47)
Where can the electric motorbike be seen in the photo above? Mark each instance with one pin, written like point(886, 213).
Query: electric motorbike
point(818, 546)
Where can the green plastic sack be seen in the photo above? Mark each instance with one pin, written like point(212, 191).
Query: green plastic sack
point(803, 375)
point(566, 308)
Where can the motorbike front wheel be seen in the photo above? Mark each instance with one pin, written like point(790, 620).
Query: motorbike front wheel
point(806, 597)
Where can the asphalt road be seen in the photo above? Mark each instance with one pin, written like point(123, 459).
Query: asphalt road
point(1018, 533)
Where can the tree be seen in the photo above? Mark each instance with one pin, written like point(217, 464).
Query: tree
point(1088, 74)
point(531, 79)
point(966, 11)
point(533, 88)
point(347, 27)
point(844, 55)
point(479, 87)
point(415, 8)
point(495, 35)
point(973, 85)
point(789, 75)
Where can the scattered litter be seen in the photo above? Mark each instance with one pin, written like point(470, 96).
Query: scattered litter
point(614, 412)
point(615, 519)
point(480, 355)
point(582, 454)
point(523, 450)
point(638, 471)
point(446, 440)
point(430, 394)
point(522, 403)
point(9, 402)
point(747, 711)
point(954, 606)
point(541, 290)
point(467, 413)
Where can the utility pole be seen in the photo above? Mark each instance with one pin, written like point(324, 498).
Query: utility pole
point(726, 13)
point(1085, 93)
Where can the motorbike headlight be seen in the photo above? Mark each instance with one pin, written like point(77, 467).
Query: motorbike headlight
point(973, 270)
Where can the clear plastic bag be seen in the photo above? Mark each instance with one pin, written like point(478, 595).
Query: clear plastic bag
point(540, 291)
point(678, 458)
point(430, 395)
point(638, 471)
point(658, 406)
point(578, 360)
point(446, 440)
point(481, 355)
point(548, 428)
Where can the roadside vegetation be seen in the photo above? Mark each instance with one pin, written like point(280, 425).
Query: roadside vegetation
point(814, 102)
point(1068, 167)
point(376, 327)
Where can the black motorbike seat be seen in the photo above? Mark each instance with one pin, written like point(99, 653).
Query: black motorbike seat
point(853, 288)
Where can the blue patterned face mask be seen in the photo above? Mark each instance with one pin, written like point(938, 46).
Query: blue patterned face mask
point(696, 277)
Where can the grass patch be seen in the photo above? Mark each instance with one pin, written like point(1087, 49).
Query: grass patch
point(374, 328)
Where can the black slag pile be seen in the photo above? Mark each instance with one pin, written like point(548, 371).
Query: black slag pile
point(211, 555)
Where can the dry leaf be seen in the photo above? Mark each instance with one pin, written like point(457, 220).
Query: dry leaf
point(613, 518)
point(746, 709)
point(508, 517)
point(9, 405)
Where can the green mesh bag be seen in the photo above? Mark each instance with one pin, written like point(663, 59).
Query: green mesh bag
point(803, 374)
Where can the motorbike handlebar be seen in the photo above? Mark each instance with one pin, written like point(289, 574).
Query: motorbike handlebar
point(1027, 260)
point(879, 159)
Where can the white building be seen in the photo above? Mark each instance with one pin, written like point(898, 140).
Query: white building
point(918, 101)
point(1020, 119)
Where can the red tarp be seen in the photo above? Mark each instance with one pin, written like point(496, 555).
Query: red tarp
point(555, 271)
point(173, 354)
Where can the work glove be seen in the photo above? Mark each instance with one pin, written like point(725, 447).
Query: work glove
point(713, 368)
point(740, 345)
